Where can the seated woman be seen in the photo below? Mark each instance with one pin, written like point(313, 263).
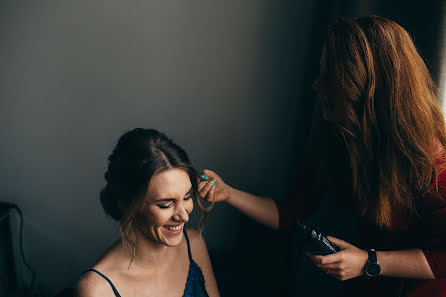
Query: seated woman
point(150, 187)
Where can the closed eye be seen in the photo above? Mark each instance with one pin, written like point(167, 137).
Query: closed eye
point(188, 196)
point(169, 202)
point(165, 205)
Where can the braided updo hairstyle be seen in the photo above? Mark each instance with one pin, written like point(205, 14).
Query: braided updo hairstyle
point(140, 154)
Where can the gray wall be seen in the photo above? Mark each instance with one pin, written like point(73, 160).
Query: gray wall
point(219, 77)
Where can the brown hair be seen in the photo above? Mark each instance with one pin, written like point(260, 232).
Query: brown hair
point(393, 126)
point(140, 154)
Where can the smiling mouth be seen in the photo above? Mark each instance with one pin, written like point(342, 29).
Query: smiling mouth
point(174, 229)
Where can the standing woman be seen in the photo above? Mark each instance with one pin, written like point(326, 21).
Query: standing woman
point(378, 146)
point(150, 189)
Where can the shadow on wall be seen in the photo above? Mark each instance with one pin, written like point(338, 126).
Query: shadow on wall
point(67, 292)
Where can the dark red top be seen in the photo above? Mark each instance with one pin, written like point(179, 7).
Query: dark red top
point(426, 232)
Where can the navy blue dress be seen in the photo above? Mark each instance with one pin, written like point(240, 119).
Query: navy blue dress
point(194, 283)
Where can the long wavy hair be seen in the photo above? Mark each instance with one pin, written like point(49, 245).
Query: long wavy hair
point(393, 127)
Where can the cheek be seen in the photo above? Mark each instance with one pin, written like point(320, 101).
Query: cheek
point(156, 218)
point(162, 217)
point(189, 205)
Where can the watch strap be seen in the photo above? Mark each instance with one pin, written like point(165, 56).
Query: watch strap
point(372, 268)
point(372, 256)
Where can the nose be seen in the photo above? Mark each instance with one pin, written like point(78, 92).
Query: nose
point(181, 214)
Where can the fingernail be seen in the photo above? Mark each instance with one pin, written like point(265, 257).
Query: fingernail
point(204, 177)
point(213, 187)
point(213, 181)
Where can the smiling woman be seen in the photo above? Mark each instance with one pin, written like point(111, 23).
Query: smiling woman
point(150, 189)
point(162, 219)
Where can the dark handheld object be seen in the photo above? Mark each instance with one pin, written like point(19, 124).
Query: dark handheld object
point(314, 242)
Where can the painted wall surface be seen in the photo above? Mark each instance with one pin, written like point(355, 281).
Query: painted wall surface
point(219, 77)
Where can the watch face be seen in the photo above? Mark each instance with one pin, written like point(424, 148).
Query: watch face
point(372, 269)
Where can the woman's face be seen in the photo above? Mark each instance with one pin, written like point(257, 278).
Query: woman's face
point(331, 99)
point(166, 208)
point(331, 95)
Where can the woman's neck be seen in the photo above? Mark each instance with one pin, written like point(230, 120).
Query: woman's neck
point(150, 254)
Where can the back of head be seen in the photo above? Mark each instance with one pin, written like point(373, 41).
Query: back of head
point(375, 62)
point(392, 122)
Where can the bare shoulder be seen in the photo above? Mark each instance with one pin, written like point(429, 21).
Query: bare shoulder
point(201, 257)
point(193, 234)
point(92, 284)
point(197, 243)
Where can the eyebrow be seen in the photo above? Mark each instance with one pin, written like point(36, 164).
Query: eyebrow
point(171, 199)
point(165, 199)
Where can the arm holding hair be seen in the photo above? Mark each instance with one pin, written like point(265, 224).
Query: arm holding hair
point(261, 209)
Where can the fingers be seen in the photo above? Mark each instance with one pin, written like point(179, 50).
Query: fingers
point(201, 184)
point(331, 266)
point(209, 173)
point(206, 190)
point(335, 273)
point(339, 242)
point(333, 269)
point(329, 259)
point(210, 197)
point(336, 269)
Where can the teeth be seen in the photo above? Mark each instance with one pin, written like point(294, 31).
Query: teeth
point(176, 228)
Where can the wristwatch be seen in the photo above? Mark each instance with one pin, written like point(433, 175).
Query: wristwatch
point(372, 268)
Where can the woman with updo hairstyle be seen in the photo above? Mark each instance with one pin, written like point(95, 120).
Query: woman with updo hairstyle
point(150, 189)
point(378, 148)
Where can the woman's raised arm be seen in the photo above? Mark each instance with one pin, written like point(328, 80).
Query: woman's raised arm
point(263, 210)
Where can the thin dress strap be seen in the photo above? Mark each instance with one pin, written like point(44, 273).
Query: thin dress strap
point(188, 245)
point(106, 278)
point(195, 284)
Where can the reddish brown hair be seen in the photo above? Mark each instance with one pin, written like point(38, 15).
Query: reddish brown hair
point(393, 126)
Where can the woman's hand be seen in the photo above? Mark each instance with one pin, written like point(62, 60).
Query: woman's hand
point(212, 188)
point(348, 263)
